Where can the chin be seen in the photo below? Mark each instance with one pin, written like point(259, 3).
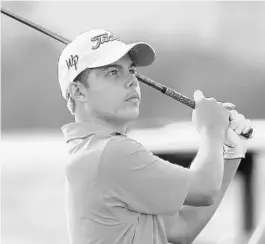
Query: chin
point(131, 115)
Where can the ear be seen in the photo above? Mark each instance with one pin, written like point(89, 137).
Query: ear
point(77, 91)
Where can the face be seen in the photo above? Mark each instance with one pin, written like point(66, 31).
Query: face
point(114, 93)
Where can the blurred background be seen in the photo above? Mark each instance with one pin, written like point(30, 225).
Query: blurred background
point(217, 47)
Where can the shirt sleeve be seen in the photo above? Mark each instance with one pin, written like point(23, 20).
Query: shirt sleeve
point(132, 176)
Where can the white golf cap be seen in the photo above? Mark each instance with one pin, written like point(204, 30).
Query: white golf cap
point(97, 48)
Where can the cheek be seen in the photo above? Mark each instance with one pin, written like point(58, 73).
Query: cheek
point(108, 99)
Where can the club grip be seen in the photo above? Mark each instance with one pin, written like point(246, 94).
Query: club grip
point(191, 103)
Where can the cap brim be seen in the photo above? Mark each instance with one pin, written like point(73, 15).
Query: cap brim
point(141, 53)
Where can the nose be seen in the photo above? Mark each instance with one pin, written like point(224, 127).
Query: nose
point(132, 81)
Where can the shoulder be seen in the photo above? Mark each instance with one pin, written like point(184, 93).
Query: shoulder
point(123, 146)
point(86, 153)
point(123, 154)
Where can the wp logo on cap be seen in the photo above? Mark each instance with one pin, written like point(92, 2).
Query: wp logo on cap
point(72, 61)
point(102, 38)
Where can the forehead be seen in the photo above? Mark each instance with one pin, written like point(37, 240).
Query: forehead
point(124, 62)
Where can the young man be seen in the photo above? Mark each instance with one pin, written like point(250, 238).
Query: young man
point(118, 191)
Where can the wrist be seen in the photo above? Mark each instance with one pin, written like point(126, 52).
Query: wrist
point(215, 134)
point(213, 142)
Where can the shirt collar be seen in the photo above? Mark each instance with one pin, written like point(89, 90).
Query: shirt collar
point(78, 130)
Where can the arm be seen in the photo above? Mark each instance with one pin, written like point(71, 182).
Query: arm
point(187, 224)
point(148, 184)
point(184, 227)
point(207, 170)
point(212, 121)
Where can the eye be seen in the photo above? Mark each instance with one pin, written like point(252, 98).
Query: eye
point(132, 70)
point(113, 72)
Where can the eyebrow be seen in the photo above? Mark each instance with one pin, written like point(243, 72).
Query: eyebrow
point(118, 66)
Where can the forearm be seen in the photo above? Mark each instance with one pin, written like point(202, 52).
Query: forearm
point(207, 168)
point(185, 226)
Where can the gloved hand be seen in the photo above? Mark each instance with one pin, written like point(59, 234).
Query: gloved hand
point(235, 145)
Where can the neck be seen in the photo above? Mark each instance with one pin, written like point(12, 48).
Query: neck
point(120, 127)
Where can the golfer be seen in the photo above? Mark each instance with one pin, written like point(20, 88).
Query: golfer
point(118, 192)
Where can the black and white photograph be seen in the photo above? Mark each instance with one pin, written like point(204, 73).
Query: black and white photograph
point(132, 122)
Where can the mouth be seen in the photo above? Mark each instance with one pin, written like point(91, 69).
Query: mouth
point(133, 97)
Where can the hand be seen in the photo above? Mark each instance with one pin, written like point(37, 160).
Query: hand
point(239, 123)
point(235, 145)
point(209, 114)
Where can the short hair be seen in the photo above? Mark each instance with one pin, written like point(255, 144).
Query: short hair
point(83, 79)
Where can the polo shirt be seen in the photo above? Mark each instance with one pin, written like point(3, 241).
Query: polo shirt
point(117, 191)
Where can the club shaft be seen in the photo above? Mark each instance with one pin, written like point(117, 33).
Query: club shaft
point(167, 91)
point(35, 26)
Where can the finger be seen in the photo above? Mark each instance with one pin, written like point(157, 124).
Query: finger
point(233, 124)
point(240, 128)
point(248, 126)
point(233, 114)
point(236, 119)
point(241, 121)
point(198, 95)
point(229, 106)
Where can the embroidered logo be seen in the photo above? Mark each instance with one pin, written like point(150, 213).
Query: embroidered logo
point(102, 38)
point(72, 61)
